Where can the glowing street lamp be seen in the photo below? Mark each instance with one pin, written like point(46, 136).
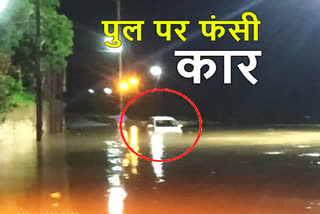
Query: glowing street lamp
point(156, 70)
point(91, 91)
point(112, 50)
point(133, 81)
point(107, 91)
point(3, 5)
point(123, 86)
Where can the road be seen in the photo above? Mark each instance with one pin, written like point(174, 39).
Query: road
point(249, 171)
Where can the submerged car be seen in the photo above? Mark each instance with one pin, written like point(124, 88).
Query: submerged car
point(163, 125)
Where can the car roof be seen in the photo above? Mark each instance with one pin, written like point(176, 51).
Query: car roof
point(162, 118)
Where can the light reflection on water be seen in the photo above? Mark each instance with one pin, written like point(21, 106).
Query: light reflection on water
point(313, 154)
point(116, 192)
point(274, 153)
point(119, 160)
point(115, 156)
point(157, 153)
point(303, 146)
point(132, 159)
point(280, 182)
point(118, 195)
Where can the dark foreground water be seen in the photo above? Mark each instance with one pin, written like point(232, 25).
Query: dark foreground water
point(265, 171)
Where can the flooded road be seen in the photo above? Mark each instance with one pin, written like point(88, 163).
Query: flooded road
point(230, 171)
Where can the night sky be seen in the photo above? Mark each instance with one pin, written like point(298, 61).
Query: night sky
point(289, 81)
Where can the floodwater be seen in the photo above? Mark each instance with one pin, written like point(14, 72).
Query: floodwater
point(253, 171)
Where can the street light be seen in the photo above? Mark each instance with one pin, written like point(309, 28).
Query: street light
point(3, 5)
point(112, 50)
point(133, 81)
point(91, 91)
point(123, 86)
point(107, 91)
point(156, 70)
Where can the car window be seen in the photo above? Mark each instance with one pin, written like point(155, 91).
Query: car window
point(166, 123)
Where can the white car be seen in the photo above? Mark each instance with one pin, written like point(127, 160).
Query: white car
point(163, 125)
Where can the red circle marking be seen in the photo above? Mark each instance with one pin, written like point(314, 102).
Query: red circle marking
point(169, 91)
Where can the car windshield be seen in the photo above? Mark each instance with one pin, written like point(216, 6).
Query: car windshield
point(166, 123)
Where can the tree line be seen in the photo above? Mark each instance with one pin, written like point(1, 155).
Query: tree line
point(18, 48)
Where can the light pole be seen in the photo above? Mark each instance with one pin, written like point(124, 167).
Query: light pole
point(120, 56)
point(38, 72)
point(119, 51)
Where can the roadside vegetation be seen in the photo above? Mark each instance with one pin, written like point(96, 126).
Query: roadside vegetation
point(18, 49)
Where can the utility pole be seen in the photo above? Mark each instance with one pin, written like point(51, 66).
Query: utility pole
point(38, 73)
point(120, 56)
